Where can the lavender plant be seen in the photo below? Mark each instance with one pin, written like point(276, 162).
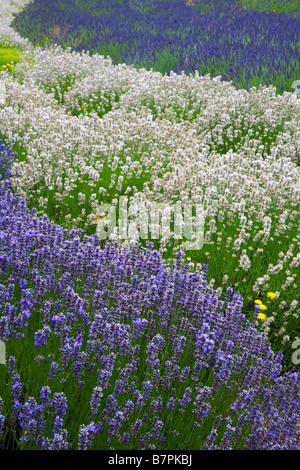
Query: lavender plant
point(218, 37)
point(6, 160)
point(125, 352)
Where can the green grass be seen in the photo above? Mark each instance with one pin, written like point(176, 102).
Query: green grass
point(9, 54)
point(279, 6)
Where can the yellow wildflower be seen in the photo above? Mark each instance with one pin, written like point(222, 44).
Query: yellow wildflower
point(258, 302)
point(271, 295)
point(263, 307)
point(261, 316)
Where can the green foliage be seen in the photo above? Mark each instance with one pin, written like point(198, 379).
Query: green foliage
point(291, 7)
point(8, 54)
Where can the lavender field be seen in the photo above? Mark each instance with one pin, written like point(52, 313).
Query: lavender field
point(122, 340)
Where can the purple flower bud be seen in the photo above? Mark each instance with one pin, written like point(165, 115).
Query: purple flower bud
point(41, 336)
point(52, 372)
point(45, 396)
point(95, 400)
point(86, 436)
point(59, 403)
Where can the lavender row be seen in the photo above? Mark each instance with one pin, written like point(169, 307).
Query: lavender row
point(220, 38)
point(144, 355)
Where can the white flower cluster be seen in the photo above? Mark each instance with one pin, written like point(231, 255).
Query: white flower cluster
point(8, 34)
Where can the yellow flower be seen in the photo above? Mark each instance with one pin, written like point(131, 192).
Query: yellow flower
point(263, 307)
point(261, 316)
point(258, 302)
point(271, 295)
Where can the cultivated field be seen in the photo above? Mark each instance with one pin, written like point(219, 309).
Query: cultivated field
point(141, 335)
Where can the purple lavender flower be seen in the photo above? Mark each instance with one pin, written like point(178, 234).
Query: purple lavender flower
point(138, 400)
point(136, 427)
point(118, 387)
point(156, 406)
point(11, 365)
point(2, 417)
point(60, 441)
point(86, 436)
point(228, 437)
point(209, 445)
point(202, 407)
point(115, 423)
point(171, 403)
point(95, 400)
point(157, 427)
point(128, 409)
point(59, 403)
point(103, 378)
point(184, 374)
point(2, 421)
point(78, 366)
point(27, 417)
point(45, 396)
point(41, 336)
point(57, 321)
point(111, 406)
point(139, 326)
point(144, 439)
point(52, 372)
point(147, 389)
point(16, 389)
point(57, 424)
point(186, 398)
point(125, 438)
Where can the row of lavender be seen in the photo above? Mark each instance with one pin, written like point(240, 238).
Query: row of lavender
point(112, 349)
point(216, 37)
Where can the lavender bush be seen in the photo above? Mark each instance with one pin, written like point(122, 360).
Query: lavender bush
point(218, 37)
point(113, 349)
point(6, 160)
